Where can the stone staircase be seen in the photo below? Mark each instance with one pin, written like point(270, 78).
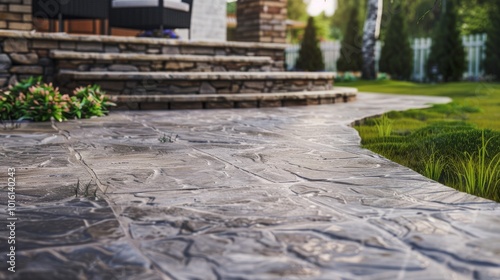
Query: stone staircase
point(144, 73)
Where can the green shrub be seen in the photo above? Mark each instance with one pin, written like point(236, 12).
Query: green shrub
point(346, 77)
point(32, 100)
point(447, 51)
point(351, 56)
point(396, 57)
point(36, 101)
point(492, 61)
point(310, 55)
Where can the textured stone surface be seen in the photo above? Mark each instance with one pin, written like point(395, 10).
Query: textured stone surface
point(278, 193)
point(5, 62)
point(29, 58)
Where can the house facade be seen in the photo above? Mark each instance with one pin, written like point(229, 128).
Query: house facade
point(208, 20)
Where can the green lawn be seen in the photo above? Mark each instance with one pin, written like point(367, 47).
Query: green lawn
point(448, 142)
point(482, 95)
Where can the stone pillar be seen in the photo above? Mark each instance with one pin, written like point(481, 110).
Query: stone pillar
point(261, 21)
point(16, 15)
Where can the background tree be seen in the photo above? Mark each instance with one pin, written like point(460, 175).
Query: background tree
point(310, 55)
point(492, 62)
point(370, 34)
point(447, 52)
point(396, 57)
point(341, 20)
point(297, 10)
point(351, 58)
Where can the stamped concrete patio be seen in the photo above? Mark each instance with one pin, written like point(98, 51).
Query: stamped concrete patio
point(283, 193)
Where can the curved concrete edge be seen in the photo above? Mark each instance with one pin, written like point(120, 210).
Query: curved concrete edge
point(411, 102)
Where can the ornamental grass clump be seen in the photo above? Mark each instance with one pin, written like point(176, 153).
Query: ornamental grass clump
point(384, 126)
point(479, 173)
point(434, 166)
point(36, 101)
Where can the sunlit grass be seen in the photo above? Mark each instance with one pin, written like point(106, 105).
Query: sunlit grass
point(384, 126)
point(457, 144)
point(485, 96)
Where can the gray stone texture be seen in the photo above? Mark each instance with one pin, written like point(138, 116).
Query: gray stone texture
point(278, 193)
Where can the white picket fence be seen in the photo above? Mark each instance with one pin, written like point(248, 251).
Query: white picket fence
point(474, 45)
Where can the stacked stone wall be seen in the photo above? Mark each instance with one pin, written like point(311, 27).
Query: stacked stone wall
point(25, 54)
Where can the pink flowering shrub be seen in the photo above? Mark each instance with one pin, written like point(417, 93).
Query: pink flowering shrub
point(33, 100)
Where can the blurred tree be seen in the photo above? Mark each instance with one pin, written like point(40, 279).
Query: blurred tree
point(341, 20)
point(231, 8)
point(475, 15)
point(351, 58)
point(447, 57)
point(492, 62)
point(297, 10)
point(396, 58)
point(310, 55)
point(418, 25)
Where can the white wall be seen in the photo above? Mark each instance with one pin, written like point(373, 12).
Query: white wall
point(208, 21)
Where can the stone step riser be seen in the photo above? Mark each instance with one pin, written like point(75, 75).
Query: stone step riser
point(170, 66)
point(197, 105)
point(228, 101)
point(171, 83)
point(130, 62)
point(117, 87)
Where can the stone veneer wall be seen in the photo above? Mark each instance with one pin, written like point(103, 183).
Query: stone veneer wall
point(261, 21)
point(16, 15)
point(24, 54)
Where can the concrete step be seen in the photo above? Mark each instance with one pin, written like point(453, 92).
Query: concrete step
point(161, 83)
point(142, 62)
point(226, 101)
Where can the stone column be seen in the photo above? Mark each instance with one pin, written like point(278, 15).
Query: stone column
point(16, 15)
point(261, 21)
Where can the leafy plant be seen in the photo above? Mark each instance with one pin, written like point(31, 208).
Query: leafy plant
point(87, 102)
point(36, 101)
